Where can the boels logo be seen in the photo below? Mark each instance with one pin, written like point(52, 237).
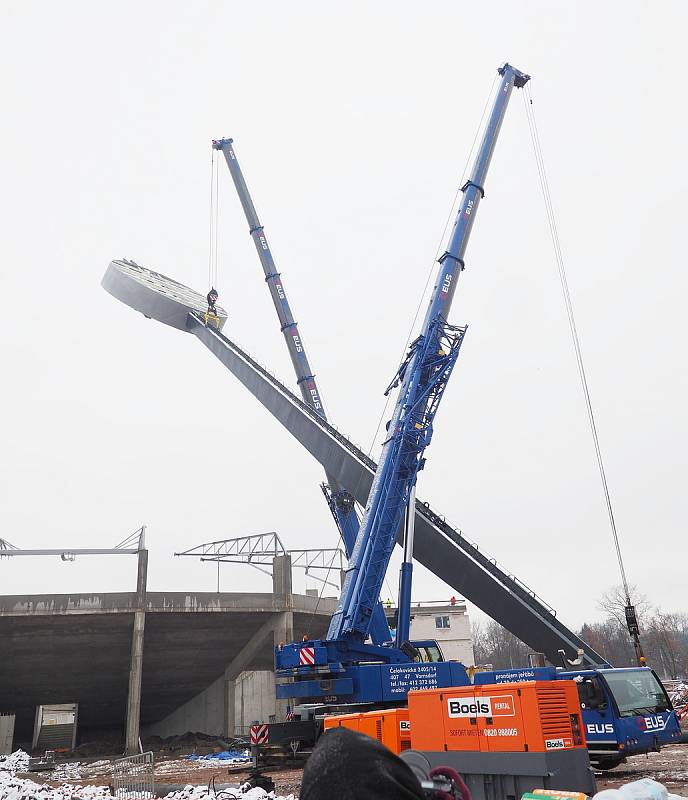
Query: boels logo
point(557, 744)
point(500, 706)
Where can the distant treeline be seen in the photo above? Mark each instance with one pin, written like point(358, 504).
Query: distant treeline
point(664, 637)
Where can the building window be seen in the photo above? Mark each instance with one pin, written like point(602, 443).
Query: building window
point(442, 622)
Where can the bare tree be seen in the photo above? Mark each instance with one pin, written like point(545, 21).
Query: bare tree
point(478, 636)
point(613, 603)
point(610, 640)
point(667, 643)
point(493, 644)
point(665, 635)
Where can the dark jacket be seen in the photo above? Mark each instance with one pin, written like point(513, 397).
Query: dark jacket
point(347, 765)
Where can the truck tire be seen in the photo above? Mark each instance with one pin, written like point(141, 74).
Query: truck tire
point(607, 763)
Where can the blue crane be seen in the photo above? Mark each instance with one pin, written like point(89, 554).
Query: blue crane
point(625, 710)
point(359, 669)
point(340, 501)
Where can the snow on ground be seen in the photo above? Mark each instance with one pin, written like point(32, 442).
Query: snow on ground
point(13, 787)
point(244, 793)
point(15, 762)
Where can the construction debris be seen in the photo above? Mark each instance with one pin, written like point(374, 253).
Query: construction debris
point(244, 792)
point(679, 699)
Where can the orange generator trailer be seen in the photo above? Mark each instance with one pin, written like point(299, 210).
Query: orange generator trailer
point(505, 739)
point(538, 716)
point(391, 726)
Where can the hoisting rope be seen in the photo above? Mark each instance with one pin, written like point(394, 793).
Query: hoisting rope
point(214, 216)
point(631, 620)
point(430, 271)
point(438, 252)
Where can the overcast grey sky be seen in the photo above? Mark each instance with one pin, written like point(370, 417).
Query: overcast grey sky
point(352, 123)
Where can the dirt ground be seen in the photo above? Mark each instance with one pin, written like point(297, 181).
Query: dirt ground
point(669, 767)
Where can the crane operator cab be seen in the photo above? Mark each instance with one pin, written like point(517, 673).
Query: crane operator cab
point(211, 314)
point(427, 652)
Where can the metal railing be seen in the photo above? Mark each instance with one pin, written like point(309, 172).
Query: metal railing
point(133, 777)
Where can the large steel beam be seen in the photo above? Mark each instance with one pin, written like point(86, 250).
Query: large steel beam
point(438, 546)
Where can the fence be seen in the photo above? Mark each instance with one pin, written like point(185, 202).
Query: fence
point(133, 777)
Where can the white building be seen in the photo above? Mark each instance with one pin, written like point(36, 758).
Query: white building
point(448, 623)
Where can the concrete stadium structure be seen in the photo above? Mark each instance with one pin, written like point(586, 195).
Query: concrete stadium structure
point(98, 649)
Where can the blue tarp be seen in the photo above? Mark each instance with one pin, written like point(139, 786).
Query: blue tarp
point(224, 755)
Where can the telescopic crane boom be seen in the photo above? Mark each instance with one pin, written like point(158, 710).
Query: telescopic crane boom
point(422, 379)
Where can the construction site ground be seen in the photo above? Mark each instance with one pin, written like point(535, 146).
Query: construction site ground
point(669, 767)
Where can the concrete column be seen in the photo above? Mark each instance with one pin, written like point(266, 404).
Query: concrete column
point(284, 632)
point(242, 661)
point(284, 629)
point(281, 575)
point(136, 663)
point(230, 708)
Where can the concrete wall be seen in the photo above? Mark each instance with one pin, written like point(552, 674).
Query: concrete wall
point(254, 698)
point(254, 693)
point(204, 713)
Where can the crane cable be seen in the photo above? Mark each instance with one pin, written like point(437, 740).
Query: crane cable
point(217, 226)
point(549, 208)
point(214, 217)
point(211, 217)
point(430, 271)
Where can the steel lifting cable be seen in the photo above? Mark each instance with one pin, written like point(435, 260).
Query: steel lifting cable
point(429, 274)
point(211, 214)
point(214, 210)
point(440, 244)
point(217, 226)
point(544, 186)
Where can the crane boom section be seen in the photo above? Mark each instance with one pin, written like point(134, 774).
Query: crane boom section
point(288, 326)
point(423, 377)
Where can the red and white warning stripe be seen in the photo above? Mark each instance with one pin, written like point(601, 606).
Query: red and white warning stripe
point(259, 734)
point(307, 656)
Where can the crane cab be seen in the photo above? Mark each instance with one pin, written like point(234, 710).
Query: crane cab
point(428, 652)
